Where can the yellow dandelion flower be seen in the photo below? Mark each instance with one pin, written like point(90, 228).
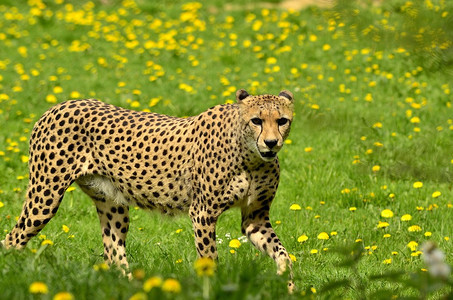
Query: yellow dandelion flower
point(387, 235)
point(75, 95)
point(446, 238)
point(38, 287)
point(323, 236)
point(65, 228)
point(234, 243)
point(292, 257)
point(418, 184)
point(135, 104)
point(387, 261)
point(1, 204)
point(47, 242)
point(416, 253)
point(295, 207)
point(288, 142)
point(382, 224)
point(24, 158)
point(414, 228)
point(412, 245)
point(57, 90)
point(406, 217)
point(394, 253)
point(205, 266)
point(314, 251)
point(326, 47)
point(171, 285)
point(151, 283)
point(71, 188)
point(313, 290)
point(139, 296)
point(302, 238)
point(415, 120)
point(138, 274)
point(353, 208)
point(101, 267)
point(376, 168)
point(428, 234)
point(51, 98)
point(63, 296)
point(436, 194)
point(387, 213)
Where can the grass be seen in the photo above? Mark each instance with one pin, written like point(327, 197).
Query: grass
point(373, 116)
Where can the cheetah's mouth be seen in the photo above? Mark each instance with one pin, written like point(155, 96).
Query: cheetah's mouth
point(268, 154)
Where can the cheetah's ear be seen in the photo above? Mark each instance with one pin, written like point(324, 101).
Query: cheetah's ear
point(287, 94)
point(241, 95)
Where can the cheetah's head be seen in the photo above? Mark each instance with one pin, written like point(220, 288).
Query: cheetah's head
point(267, 121)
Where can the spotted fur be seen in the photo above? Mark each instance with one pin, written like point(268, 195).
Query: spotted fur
point(200, 165)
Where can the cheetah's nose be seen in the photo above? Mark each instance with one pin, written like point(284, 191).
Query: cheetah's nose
point(271, 143)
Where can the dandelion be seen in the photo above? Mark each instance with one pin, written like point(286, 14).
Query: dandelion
point(205, 266)
point(171, 286)
point(138, 274)
point(47, 242)
point(406, 217)
point(70, 189)
point(387, 235)
point(63, 296)
point(313, 251)
point(387, 213)
point(418, 184)
point(412, 245)
point(101, 267)
point(139, 296)
point(428, 234)
point(51, 98)
point(436, 194)
point(414, 228)
point(65, 228)
point(323, 236)
point(234, 243)
point(295, 207)
point(292, 257)
point(353, 208)
point(38, 287)
point(376, 168)
point(302, 238)
point(382, 224)
point(151, 283)
point(308, 149)
point(415, 120)
point(387, 261)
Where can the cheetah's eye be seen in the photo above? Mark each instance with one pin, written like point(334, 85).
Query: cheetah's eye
point(257, 121)
point(282, 121)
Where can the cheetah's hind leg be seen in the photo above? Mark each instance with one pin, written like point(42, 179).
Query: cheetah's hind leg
point(44, 195)
point(113, 212)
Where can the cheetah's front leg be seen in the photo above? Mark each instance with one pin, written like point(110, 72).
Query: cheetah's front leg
point(204, 231)
point(258, 229)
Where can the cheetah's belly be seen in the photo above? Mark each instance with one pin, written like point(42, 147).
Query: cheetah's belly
point(168, 193)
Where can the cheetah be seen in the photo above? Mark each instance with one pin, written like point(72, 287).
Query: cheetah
point(201, 165)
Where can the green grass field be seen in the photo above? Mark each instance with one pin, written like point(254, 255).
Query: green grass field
point(369, 162)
